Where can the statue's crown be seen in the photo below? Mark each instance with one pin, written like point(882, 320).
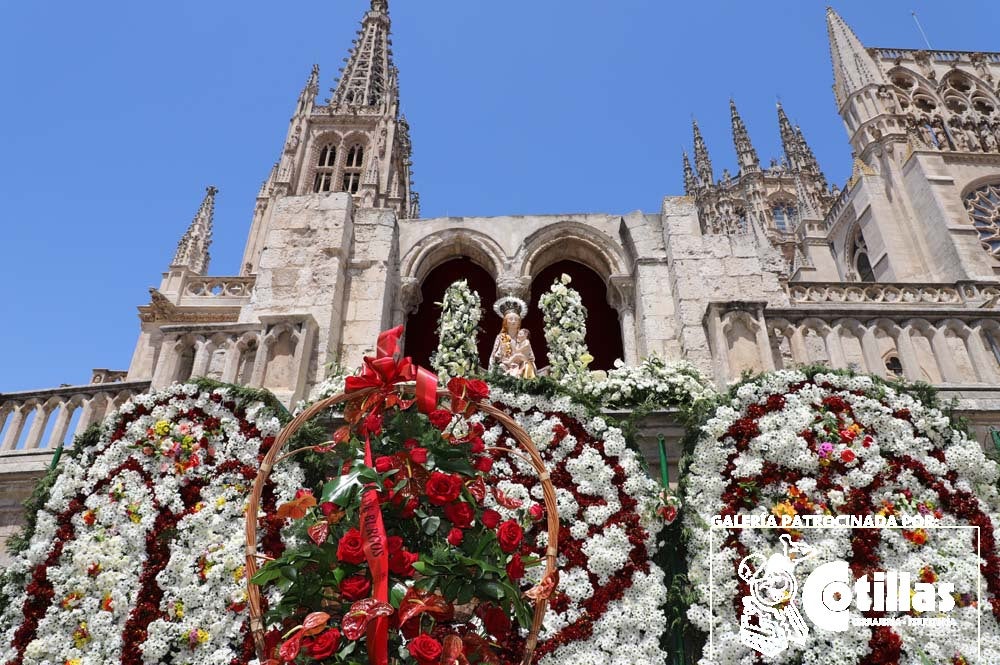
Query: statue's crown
point(510, 304)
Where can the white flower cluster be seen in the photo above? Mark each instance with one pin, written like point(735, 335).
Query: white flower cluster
point(629, 630)
point(653, 381)
point(125, 485)
point(849, 458)
point(458, 330)
point(566, 332)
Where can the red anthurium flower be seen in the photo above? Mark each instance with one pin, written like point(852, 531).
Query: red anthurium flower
point(505, 501)
point(416, 602)
point(290, 649)
point(361, 614)
point(477, 488)
point(453, 652)
point(318, 532)
point(315, 623)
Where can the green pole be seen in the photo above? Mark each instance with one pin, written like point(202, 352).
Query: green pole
point(664, 467)
point(55, 457)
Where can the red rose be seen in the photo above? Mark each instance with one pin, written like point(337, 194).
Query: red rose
point(419, 455)
point(443, 488)
point(410, 444)
point(410, 509)
point(490, 518)
point(383, 464)
point(425, 649)
point(401, 562)
point(355, 587)
point(455, 537)
point(373, 423)
point(476, 446)
point(483, 464)
point(350, 549)
point(496, 622)
point(394, 543)
point(847, 456)
point(537, 511)
point(515, 569)
point(440, 418)
point(477, 389)
point(325, 644)
point(510, 535)
point(460, 514)
point(327, 508)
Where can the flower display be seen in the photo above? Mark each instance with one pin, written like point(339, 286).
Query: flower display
point(607, 608)
point(565, 332)
point(458, 330)
point(790, 445)
point(402, 510)
point(653, 382)
point(135, 558)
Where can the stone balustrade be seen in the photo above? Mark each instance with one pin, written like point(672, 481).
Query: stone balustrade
point(197, 291)
point(42, 420)
point(937, 56)
point(961, 295)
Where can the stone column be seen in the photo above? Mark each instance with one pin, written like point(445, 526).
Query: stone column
point(942, 355)
point(907, 355)
point(870, 351)
point(62, 424)
point(764, 343)
point(202, 357)
point(982, 360)
point(717, 338)
point(166, 365)
point(13, 429)
point(37, 429)
point(798, 343)
point(835, 348)
point(622, 297)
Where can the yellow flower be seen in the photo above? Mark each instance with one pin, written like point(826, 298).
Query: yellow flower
point(203, 636)
point(162, 427)
point(784, 508)
point(73, 661)
point(220, 502)
point(179, 609)
point(238, 573)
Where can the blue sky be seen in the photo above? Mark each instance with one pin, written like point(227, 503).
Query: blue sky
point(118, 114)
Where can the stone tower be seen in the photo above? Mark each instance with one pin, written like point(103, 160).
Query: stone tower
point(358, 142)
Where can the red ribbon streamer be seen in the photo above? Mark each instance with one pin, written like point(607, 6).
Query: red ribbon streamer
point(383, 372)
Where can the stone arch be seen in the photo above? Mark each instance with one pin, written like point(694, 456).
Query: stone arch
point(928, 365)
point(988, 331)
point(852, 342)
point(742, 350)
point(421, 325)
point(246, 356)
point(184, 350)
point(572, 240)
point(961, 340)
point(783, 350)
point(328, 138)
point(886, 334)
point(217, 350)
point(816, 339)
point(280, 371)
point(439, 247)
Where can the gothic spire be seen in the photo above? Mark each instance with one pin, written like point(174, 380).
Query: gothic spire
point(309, 92)
point(853, 68)
point(788, 138)
point(746, 155)
point(192, 250)
point(689, 182)
point(701, 160)
point(369, 77)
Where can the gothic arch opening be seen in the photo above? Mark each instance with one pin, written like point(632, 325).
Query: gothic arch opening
point(604, 332)
point(421, 326)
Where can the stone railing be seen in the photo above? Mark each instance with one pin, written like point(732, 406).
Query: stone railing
point(937, 56)
point(961, 295)
point(216, 287)
point(39, 421)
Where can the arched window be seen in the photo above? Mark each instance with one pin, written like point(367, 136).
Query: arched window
point(785, 217)
point(858, 256)
point(325, 167)
point(983, 205)
point(352, 168)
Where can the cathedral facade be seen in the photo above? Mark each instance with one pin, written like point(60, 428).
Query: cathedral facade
point(895, 272)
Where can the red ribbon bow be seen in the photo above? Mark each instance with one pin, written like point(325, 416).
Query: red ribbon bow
point(383, 372)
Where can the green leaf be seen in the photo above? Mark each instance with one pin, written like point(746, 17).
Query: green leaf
point(339, 486)
point(265, 575)
point(465, 593)
point(430, 525)
point(289, 573)
point(491, 589)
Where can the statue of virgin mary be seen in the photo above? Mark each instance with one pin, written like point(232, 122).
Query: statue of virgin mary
point(512, 353)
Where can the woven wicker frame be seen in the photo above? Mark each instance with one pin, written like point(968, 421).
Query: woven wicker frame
point(272, 457)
